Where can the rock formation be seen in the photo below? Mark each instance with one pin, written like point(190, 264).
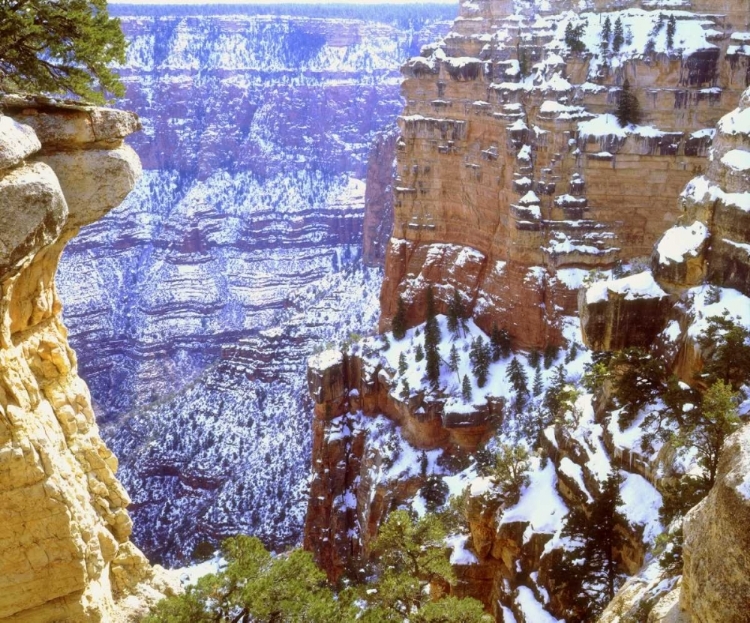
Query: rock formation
point(514, 176)
point(517, 186)
point(65, 553)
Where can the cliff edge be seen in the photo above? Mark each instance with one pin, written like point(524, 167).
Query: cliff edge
point(64, 528)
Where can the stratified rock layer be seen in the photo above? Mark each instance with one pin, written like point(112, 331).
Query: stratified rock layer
point(64, 528)
point(513, 172)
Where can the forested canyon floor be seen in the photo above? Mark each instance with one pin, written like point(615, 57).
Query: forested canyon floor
point(195, 304)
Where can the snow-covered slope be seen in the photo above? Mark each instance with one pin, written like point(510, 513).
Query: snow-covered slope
point(190, 305)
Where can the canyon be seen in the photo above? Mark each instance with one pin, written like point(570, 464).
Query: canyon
point(194, 305)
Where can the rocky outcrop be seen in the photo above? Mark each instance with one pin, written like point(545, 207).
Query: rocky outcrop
point(514, 177)
point(709, 244)
point(716, 584)
point(378, 222)
point(65, 553)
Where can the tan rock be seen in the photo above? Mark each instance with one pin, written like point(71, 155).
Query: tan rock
point(61, 125)
point(716, 583)
point(94, 181)
point(64, 528)
point(17, 141)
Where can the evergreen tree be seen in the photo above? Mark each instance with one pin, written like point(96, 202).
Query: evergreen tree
point(619, 36)
point(535, 359)
point(419, 353)
point(710, 425)
point(480, 355)
point(435, 493)
point(606, 33)
point(433, 367)
point(455, 313)
point(517, 377)
point(510, 472)
point(628, 108)
point(726, 345)
point(671, 29)
point(466, 389)
point(573, 37)
point(500, 340)
point(402, 366)
point(398, 324)
point(454, 359)
point(550, 354)
point(431, 341)
point(66, 46)
point(588, 572)
point(538, 386)
point(405, 390)
point(639, 379)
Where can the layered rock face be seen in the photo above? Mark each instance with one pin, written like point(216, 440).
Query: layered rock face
point(514, 176)
point(65, 553)
point(699, 270)
point(196, 304)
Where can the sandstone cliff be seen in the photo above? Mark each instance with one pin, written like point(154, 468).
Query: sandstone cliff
point(514, 176)
point(65, 553)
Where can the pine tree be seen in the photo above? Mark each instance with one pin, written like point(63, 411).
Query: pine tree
point(480, 356)
point(398, 324)
point(535, 359)
point(588, 572)
point(66, 46)
point(402, 366)
point(500, 340)
point(517, 377)
point(433, 367)
point(454, 359)
point(455, 313)
point(726, 345)
point(550, 354)
point(405, 390)
point(431, 341)
point(619, 36)
point(418, 353)
point(466, 389)
point(628, 108)
point(671, 29)
point(538, 386)
point(606, 33)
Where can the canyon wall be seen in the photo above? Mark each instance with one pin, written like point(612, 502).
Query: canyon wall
point(515, 178)
point(65, 553)
point(196, 303)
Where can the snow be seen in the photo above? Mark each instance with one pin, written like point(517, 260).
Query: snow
point(325, 360)
point(459, 554)
point(737, 160)
point(735, 122)
point(540, 504)
point(508, 616)
point(189, 576)
point(744, 487)
point(640, 504)
point(680, 241)
point(532, 610)
point(573, 278)
point(736, 304)
point(575, 472)
point(634, 287)
point(602, 125)
point(529, 198)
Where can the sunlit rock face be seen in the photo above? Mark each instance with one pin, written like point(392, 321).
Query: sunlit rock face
point(65, 550)
point(195, 304)
point(514, 176)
